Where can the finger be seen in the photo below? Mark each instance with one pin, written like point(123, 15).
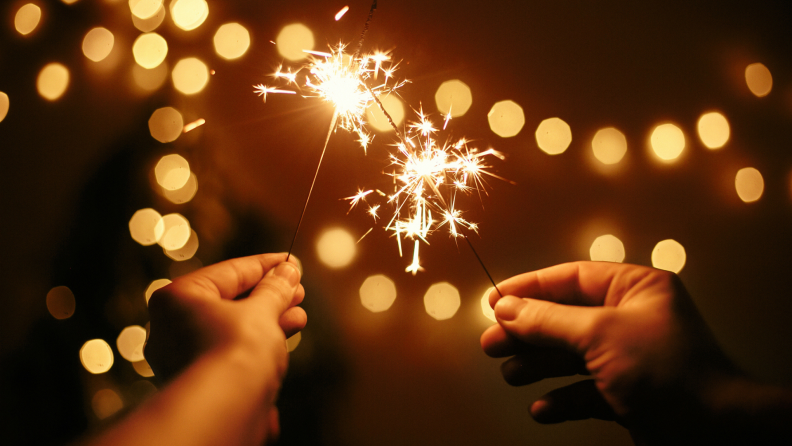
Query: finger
point(277, 289)
point(538, 363)
point(578, 401)
point(549, 324)
point(273, 432)
point(292, 321)
point(496, 343)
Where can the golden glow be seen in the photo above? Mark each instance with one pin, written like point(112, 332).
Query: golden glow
point(377, 293)
point(336, 248)
point(293, 341)
point(454, 98)
point(749, 184)
point(189, 14)
point(143, 368)
point(172, 172)
point(60, 302)
point(759, 79)
point(27, 19)
point(609, 145)
point(194, 125)
point(187, 251)
point(151, 23)
point(607, 248)
point(130, 343)
point(96, 356)
point(341, 13)
point(377, 119)
point(231, 41)
point(442, 301)
point(150, 79)
point(52, 81)
point(97, 44)
point(69, 2)
point(486, 309)
point(553, 136)
point(713, 129)
point(150, 50)
point(293, 39)
point(667, 141)
point(105, 403)
point(146, 226)
point(506, 119)
point(144, 9)
point(154, 286)
point(176, 233)
point(166, 125)
point(669, 255)
point(183, 194)
point(5, 103)
point(190, 75)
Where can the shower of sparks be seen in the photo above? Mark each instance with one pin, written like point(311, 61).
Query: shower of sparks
point(341, 13)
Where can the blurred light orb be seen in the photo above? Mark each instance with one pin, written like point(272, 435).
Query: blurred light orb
point(150, 50)
point(27, 19)
point(293, 39)
point(184, 193)
point(486, 309)
point(176, 233)
point(60, 302)
point(607, 248)
point(143, 368)
point(144, 9)
point(150, 79)
point(97, 44)
point(442, 301)
point(190, 75)
point(96, 356)
point(553, 136)
point(69, 2)
point(713, 129)
point(609, 145)
point(189, 14)
point(758, 79)
point(154, 286)
point(52, 81)
point(453, 97)
point(336, 248)
point(669, 255)
point(165, 125)
point(187, 251)
point(146, 226)
point(293, 341)
point(5, 103)
point(377, 119)
point(130, 343)
point(231, 41)
point(749, 184)
point(377, 293)
point(106, 403)
point(151, 23)
point(667, 141)
point(506, 119)
point(172, 172)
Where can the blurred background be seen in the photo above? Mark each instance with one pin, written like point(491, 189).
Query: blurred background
point(135, 150)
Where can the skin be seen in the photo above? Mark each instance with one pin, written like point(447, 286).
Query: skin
point(655, 368)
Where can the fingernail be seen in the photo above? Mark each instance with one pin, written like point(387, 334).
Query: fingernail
point(289, 272)
point(508, 307)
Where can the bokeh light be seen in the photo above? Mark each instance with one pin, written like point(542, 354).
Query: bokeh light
point(60, 302)
point(146, 226)
point(144, 9)
point(172, 172)
point(293, 341)
point(486, 309)
point(293, 39)
point(669, 255)
point(442, 301)
point(130, 343)
point(713, 129)
point(176, 233)
point(189, 14)
point(506, 119)
point(190, 75)
point(166, 125)
point(553, 136)
point(231, 41)
point(607, 248)
point(749, 184)
point(187, 251)
point(336, 248)
point(97, 44)
point(609, 145)
point(150, 79)
point(52, 81)
point(143, 368)
point(377, 293)
point(27, 19)
point(150, 50)
point(667, 141)
point(377, 119)
point(184, 193)
point(5, 103)
point(154, 286)
point(96, 356)
point(106, 403)
point(453, 96)
point(151, 23)
point(758, 79)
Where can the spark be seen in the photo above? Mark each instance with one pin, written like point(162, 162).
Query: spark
point(193, 125)
point(373, 211)
point(355, 199)
point(341, 13)
point(263, 90)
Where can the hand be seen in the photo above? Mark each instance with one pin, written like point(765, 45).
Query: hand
point(656, 368)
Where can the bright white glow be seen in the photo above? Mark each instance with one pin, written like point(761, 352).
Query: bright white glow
point(609, 145)
point(506, 119)
point(553, 136)
point(442, 301)
point(377, 293)
point(486, 309)
point(669, 255)
point(607, 248)
point(97, 44)
point(453, 97)
point(713, 129)
point(668, 141)
point(293, 39)
point(52, 81)
point(336, 248)
point(231, 41)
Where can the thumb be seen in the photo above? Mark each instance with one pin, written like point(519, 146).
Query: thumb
point(547, 323)
point(277, 289)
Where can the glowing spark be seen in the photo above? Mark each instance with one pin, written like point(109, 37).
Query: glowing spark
point(263, 90)
point(355, 199)
point(373, 211)
point(341, 13)
point(415, 266)
point(193, 125)
point(364, 235)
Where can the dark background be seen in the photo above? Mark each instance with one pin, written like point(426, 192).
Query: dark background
point(75, 170)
